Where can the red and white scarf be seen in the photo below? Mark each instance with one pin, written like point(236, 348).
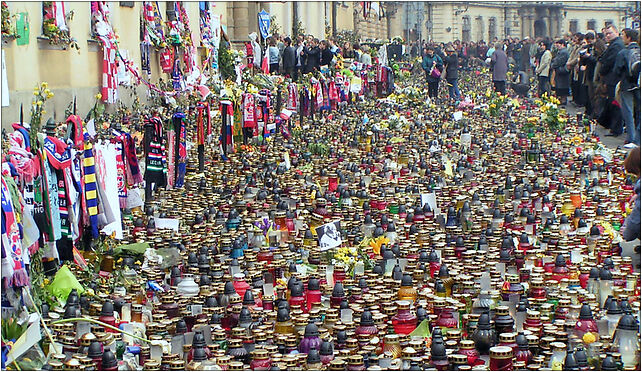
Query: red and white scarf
point(249, 111)
point(105, 34)
point(293, 97)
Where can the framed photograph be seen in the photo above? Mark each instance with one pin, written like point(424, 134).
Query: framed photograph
point(329, 235)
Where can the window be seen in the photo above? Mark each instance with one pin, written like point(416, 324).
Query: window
point(171, 11)
point(492, 29)
point(479, 25)
point(465, 28)
point(591, 25)
point(54, 18)
point(572, 26)
point(126, 4)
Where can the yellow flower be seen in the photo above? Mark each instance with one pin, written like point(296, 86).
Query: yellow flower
point(492, 105)
point(47, 91)
point(45, 84)
point(99, 96)
point(39, 103)
point(44, 112)
point(50, 95)
point(589, 338)
point(46, 281)
point(35, 92)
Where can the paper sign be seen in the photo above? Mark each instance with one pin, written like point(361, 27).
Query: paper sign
point(167, 223)
point(485, 281)
point(328, 275)
point(286, 156)
point(91, 128)
point(195, 309)
point(501, 267)
point(458, 115)
point(268, 289)
point(576, 256)
point(403, 263)
point(133, 199)
point(346, 315)
point(449, 168)
point(329, 235)
point(177, 344)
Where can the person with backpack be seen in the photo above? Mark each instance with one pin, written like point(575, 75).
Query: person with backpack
point(627, 67)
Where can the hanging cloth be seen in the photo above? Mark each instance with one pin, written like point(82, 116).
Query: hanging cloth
point(249, 111)
point(293, 95)
point(90, 186)
point(156, 164)
point(121, 174)
point(177, 81)
point(227, 116)
point(180, 131)
point(167, 60)
point(13, 266)
point(75, 130)
point(64, 244)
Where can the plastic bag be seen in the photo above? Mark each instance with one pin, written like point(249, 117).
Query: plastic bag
point(63, 283)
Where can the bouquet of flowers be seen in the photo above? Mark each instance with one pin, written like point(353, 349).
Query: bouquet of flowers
point(550, 113)
point(497, 102)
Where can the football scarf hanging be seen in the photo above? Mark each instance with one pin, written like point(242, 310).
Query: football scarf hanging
point(167, 60)
point(12, 253)
point(75, 130)
point(292, 97)
point(155, 169)
point(227, 116)
point(121, 176)
point(90, 186)
point(180, 130)
point(58, 154)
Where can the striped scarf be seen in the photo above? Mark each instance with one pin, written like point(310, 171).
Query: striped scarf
point(156, 165)
point(13, 266)
point(100, 11)
point(90, 186)
point(180, 148)
point(64, 244)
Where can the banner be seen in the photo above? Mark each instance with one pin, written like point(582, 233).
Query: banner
point(216, 38)
point(264, 23)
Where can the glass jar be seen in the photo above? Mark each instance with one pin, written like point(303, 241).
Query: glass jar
point(404, 322)
point(187, 286)
point(501, 358)
point(391, 345)
point(556, 362)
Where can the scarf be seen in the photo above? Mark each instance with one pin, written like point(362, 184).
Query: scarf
point(249, 111)
point(75, 130)
point(292, 97)
point(237, 120)
point(134, 176)
point(120, 168)
point(180, 151)
point(13, 266)
point(90, 186)
point(64, 244)
point(144, 59)
point(58, 154)
point(73, 180)
point(110, 66)
point(156, 165)
point(177, 82)
point(325, 94)
point(20, 138)
point(227, 116)
point(319, 95)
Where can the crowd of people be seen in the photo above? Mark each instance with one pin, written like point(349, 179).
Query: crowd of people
point(597, 71)
point(306, 54)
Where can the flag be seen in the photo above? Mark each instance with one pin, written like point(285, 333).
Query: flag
point(265, 65)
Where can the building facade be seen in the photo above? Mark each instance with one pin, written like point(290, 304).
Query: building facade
point(474, 21)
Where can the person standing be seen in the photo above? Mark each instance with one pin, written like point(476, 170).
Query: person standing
point(312, 56)
point(587, 63)
point(300, 57)
point(499, 64)
point(562, 75)
point(326, 54)
point(289, 58)
point(628, 88)
point(273, 56)
point(607, 72)
point(432, 61)
point(543, 70)
point(452, 73)
point(573, 67)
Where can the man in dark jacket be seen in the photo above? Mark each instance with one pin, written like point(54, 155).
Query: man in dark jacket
point(452, 73)
point(312, 56)
point(562, 75)
point(607, 60)
point(326, 53)
point(629, 89)
point(289, 58)
point(607, 71)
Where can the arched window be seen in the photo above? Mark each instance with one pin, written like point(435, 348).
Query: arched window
point(465, 28)
point(492, 29)
point(590, 25)
point(572, 26)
